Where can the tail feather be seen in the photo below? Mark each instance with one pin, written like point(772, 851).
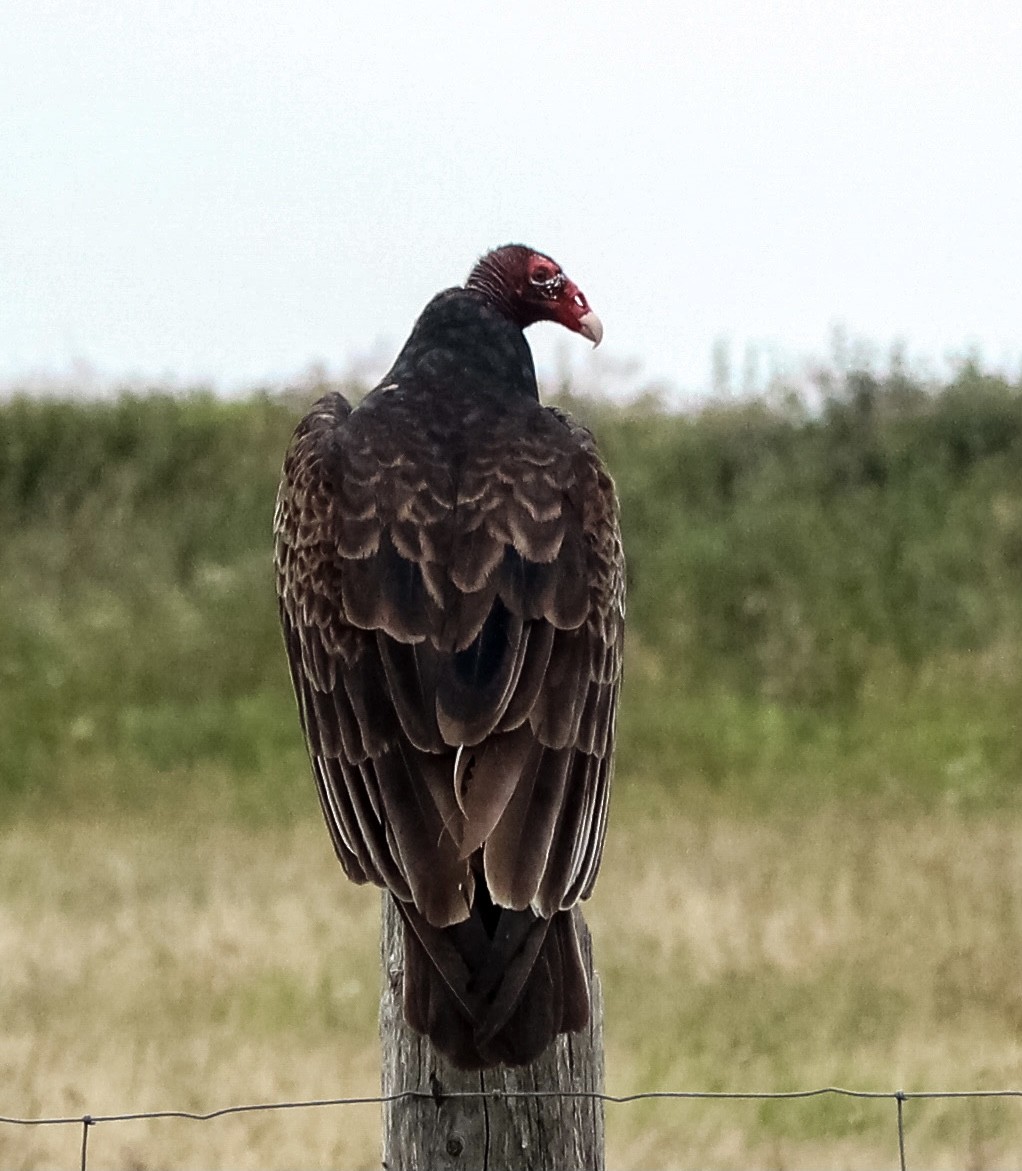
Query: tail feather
point(498, 996)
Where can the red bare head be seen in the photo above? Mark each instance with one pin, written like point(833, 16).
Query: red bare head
point(528, 286)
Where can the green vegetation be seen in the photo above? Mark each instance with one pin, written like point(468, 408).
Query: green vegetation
point(812, 871)
point(820, 600)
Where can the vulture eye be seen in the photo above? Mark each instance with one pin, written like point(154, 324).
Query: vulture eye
point(542, 275)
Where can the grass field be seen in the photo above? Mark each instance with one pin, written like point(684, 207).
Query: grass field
point(814, 864)
point(188, 963)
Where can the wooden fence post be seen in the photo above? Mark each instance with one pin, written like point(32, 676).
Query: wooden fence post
point(514, 1134)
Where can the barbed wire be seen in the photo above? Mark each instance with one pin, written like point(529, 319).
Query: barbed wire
point(900, 1097)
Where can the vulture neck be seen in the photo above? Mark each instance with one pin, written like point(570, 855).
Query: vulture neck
point(491, 279)
point(462, 342)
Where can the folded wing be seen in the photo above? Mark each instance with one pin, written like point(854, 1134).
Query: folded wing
point(452, 596)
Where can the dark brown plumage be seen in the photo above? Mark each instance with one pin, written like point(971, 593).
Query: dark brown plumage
point(451, 586)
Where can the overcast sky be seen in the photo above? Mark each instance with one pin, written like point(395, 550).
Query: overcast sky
point(233, 190)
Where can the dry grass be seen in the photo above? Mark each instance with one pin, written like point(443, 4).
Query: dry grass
point(147, 966)
point(198, 965)
point(848, 948)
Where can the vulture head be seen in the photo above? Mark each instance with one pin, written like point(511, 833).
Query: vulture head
point(528, 286)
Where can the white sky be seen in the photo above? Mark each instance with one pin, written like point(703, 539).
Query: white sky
point(232, 190)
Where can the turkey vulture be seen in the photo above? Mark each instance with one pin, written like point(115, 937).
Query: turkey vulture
point(451, 586)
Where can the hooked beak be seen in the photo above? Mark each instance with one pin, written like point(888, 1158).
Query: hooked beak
point(590, 326)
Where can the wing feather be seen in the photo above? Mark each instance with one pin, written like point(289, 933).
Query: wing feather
point(343, 825)
point(488, 778)
point(593, 839)
point(475, 686)
point(411, 680)
point(558, 710)
point(569, 838)
point(427, 854)
point(516, 853)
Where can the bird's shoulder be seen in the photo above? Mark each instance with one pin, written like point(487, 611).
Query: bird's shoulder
point(399, 443)
point(439, 506)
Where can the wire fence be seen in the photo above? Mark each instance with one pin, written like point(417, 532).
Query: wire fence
point(897, 1097)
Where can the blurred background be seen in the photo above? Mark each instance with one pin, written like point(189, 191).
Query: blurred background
point(799, 224)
